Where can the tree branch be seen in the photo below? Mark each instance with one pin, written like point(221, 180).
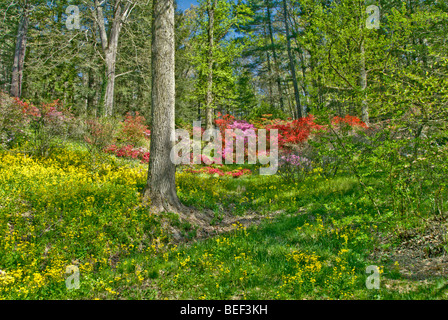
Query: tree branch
point(336, 70)
point(122, 74)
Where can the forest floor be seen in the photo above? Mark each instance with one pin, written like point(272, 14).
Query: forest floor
point(264, 238)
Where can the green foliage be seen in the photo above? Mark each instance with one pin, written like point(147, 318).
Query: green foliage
point(12, 123)
point(226, 49)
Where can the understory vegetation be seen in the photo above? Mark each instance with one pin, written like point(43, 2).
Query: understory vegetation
point(314, 234)
point(346, 99)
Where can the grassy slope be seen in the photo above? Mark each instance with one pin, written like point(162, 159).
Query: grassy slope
point(70, 209)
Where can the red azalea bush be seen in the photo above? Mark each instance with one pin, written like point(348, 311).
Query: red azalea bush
point(296, 131)
point(349, 120)
point(224, 121)
point(305, 139)
point(211, 170)
point(129, 151)
point(47, 121)
point(134, 129)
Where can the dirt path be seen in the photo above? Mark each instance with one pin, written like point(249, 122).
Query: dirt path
point(202, 222)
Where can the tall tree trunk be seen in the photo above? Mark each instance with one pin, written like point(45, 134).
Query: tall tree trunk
point(211, 42)
point(291, 110)
point(19, 56)
point(274, 54)
point(291, 62)
point(109, 44)
point(161, 186)
point(270, 77)
point(363, 84)
point(305, 92)
point(302, 66)
point(110, 87)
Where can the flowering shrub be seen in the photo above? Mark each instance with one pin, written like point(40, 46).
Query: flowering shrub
point(211, 171)
point(304, 142)
point(12, 120)
point(129, 151)
point(350, 121)
point(48, 122)
point(224, 121)
point(99, 133)
point(134, 129)
point(294, 167)
point(296, 131)
point(247, 129)
point(295, 160)
point(325, 151)
point(228, 122)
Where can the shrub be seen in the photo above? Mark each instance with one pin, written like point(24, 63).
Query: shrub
point(219, 172)
point(100, 133)
point(296, 131)
point(134, 130)
point(12, 121)
point(49, 124)
point(294, 167)
point(129, 151)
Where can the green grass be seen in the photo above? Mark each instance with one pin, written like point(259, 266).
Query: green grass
point(72, 209)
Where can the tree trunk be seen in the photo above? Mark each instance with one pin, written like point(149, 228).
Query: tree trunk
point(303, 68)
point(363, 85)
point(110, 47)
point(268, 60)
point(274, 54)
point(291, 63)
point(211, 42)
point(160, 189)
point(110, 87)
point(19, 56)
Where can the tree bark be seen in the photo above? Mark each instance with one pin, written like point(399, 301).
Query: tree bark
point(211, 42)
point(291, 63)
point(160, 189)
point(109, 44)
point(363, 84)
point(19, 56)
point(274, 54)
point(270, 77)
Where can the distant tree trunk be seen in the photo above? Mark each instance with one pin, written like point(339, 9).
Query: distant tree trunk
point(160, 190)
point(302, 66)
point(270, 77)
point(363, 84)
point(307, 99)
point(90, 95)
point(110, 75)
point(274, 53)
point(19, 56)
point(291, 63)
point(110, 47)
point(211, 42)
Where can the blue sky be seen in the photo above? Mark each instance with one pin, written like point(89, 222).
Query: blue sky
point(185, 4)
